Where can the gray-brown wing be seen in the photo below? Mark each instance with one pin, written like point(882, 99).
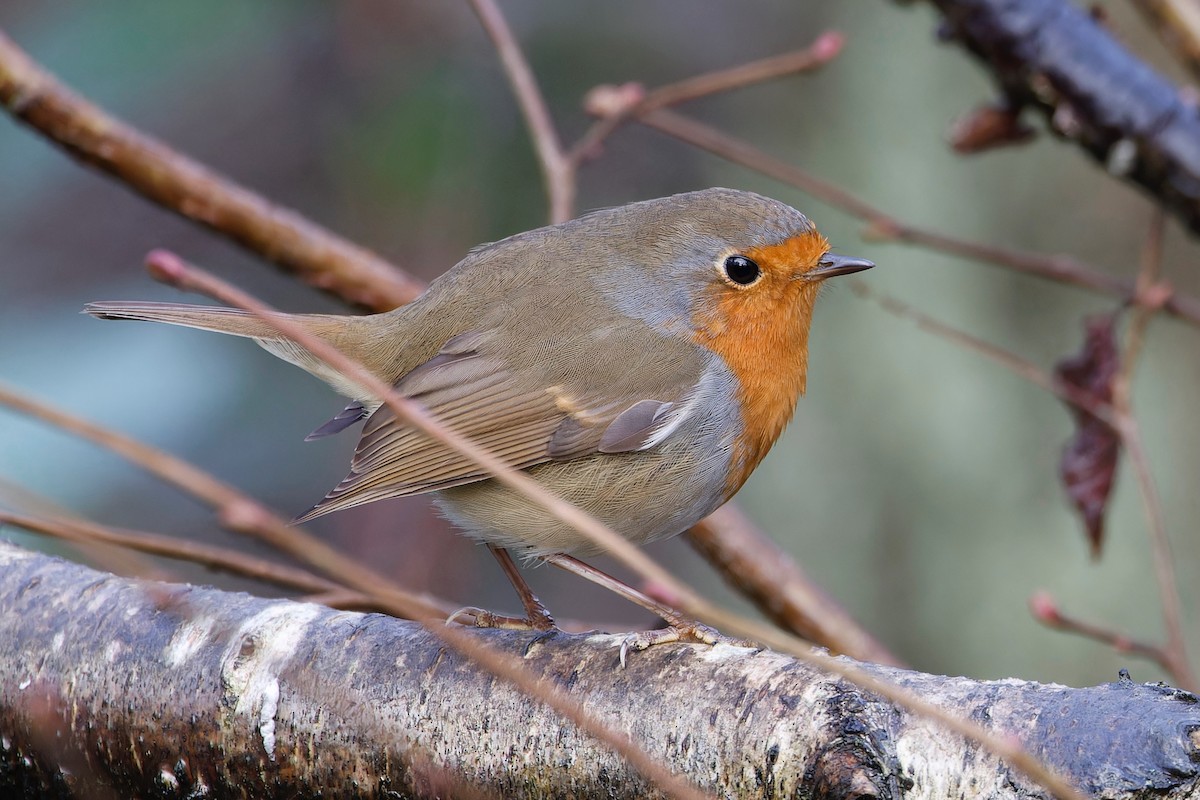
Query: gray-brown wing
point(519, 419)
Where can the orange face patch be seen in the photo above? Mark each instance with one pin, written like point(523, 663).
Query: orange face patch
point(761, 333)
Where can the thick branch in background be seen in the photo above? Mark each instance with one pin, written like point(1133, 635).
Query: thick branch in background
point(170, 179)
point(1052, 56)
point(122, 687)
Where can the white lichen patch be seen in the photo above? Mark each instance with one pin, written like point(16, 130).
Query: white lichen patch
point(723, 651)
point(189, 637)
point(266, 717)
point(255, 655)
point(11, 554)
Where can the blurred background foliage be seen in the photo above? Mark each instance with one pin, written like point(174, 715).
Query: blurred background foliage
point(918, 483)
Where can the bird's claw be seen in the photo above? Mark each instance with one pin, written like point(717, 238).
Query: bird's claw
point(474, 617)
point(684, 632)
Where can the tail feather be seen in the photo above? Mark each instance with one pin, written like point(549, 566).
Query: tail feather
point(208, 318)
point(342, 332)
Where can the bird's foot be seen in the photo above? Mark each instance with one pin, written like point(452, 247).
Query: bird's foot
point(681, 630)
point(481, 618)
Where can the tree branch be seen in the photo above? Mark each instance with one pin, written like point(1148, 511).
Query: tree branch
point(1052, 56)
point(194, 191)
point(121, 687)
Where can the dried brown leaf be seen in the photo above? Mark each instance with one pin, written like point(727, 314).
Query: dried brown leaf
point(1089, 460)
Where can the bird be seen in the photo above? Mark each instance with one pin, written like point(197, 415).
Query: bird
point(638, 361)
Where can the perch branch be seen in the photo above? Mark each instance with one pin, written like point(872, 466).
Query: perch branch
point(290, 700)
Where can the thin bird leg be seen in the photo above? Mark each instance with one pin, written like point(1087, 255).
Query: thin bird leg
point(679, 628)
point(539, 618)
point(536, 615)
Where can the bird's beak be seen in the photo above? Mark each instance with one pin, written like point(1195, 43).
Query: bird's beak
point(832, 264)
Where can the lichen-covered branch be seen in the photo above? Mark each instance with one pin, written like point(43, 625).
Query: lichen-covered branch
point(112, 687)
point(1052, 56)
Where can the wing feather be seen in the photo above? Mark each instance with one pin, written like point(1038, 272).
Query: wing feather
point(520, 416)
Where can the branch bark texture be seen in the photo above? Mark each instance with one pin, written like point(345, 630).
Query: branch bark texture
point(111, 688)
point(1052, 56)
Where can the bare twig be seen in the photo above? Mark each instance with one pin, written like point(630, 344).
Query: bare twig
point(632, 101)
point(192, 190)
point(107, 557)
point(1149, 299)
point(1061, 269)
point(558, 171)
point(218, 558)
point(236, 510)
point(1046, 611)
point(1019, 366)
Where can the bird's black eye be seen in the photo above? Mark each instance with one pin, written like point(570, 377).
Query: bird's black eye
point(741, 270)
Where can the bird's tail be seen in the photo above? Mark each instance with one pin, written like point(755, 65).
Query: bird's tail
point(207, 318)
point(338, 331)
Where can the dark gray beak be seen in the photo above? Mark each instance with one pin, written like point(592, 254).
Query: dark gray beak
point(832, 265)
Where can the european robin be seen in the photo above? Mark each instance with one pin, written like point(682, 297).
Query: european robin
point(638, 362)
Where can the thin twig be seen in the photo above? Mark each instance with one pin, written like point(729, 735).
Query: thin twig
point(1061, 269)
point(1021, 367)
point(217, 558)
point(194, 191)
point(112, 559)
point(1147, 302)
point(1046, 611)
point(174, 270)
point(824, 49)
point(236, 510)
point(557, 170)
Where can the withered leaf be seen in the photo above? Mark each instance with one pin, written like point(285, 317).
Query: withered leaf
point(1089, 460)
point(988, 127)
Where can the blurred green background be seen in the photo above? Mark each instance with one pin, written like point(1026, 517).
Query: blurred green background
point(918, 483)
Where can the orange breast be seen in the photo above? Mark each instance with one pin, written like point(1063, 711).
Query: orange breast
point(761, 333)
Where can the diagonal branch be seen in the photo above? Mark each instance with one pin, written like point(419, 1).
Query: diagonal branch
point(176, 182)
point(557, 170)
point(1055, 58)
point(236, 510)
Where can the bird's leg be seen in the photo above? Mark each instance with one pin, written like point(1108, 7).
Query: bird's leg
point(536, 615)
point(679, 628)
